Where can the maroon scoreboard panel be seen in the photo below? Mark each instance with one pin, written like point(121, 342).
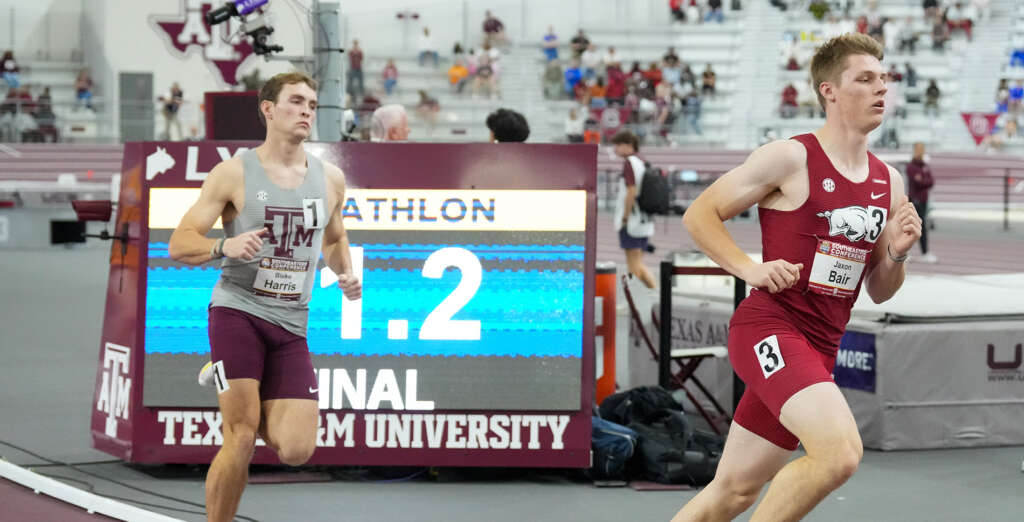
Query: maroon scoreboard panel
point(473, 343)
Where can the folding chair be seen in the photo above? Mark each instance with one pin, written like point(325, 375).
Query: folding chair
point(687, 360)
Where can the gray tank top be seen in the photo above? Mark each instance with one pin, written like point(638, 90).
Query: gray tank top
point(276, 285)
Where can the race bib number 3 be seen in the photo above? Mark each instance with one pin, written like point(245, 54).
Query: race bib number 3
point(769, 356)
point(837, 269)
point(280, 278)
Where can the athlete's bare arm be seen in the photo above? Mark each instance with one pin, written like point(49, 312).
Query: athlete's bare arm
point(335, 247)
point(902, 230)
point(629, 201)
point(766, 176)
point(221, 189)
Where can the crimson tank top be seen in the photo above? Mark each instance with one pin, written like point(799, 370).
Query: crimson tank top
point(833, 234)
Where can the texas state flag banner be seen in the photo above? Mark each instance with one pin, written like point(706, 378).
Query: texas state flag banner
point(980, 124)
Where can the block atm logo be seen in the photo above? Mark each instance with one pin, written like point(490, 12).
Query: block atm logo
point(116, 386)
point(1003, 368)
point(221, 46)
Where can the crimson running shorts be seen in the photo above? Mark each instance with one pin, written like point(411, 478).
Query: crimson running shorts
point(775, 360)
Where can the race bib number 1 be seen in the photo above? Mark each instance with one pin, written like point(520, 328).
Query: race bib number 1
point(837, 269)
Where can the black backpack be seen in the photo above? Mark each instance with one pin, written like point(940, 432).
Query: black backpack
point(654, 193)
point(637, 405)
point(672, 452)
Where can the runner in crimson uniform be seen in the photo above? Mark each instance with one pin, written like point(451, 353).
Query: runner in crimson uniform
point(833, 217)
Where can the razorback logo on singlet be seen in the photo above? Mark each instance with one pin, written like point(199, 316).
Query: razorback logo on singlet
point(855, 222)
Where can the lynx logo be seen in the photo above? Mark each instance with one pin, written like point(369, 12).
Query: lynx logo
point(158, 162)
point(1006, 369)
point(221, 46)
point(115, 390)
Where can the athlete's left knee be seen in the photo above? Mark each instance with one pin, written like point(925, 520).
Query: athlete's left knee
point(296, 453)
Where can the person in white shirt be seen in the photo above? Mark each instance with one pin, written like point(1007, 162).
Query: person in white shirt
point(635, 227)
point(428, 51)
point(611, 57)
point(590, 59)
point(574, 127)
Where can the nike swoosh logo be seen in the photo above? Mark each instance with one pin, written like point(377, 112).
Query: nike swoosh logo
point(313, 390)
point(876, 196)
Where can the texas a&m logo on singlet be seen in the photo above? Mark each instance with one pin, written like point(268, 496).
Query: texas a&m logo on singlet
point(290, 227)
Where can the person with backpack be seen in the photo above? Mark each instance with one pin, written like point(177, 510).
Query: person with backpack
point(634, 225)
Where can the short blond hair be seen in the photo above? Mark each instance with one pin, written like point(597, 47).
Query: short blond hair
point(272, 89)
point(829, 60)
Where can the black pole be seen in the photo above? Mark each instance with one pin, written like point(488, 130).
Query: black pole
point(665, 332)
point(1006, 199)
point(739, 288)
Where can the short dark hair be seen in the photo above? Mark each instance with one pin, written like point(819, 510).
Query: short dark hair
point(508, 125)
point(272, 88)
point(627, 138)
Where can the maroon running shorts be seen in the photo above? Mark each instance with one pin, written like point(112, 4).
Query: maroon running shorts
point(243, 346)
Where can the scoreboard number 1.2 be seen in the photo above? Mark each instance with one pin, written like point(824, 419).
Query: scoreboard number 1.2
point(439, 325)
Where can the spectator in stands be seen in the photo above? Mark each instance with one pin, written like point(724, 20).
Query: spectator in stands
point(581, 93)
point(45, 118)
point(579, 43)
point(597, 93)
point(494, 56)
point(1017, 57)
point(1016, 97)
point(818, 9)
point(507, 126)
point(911, 74)
point(458, 75)
point(931, 10)
point(389, 123)
point(553, 81)
point(1002, 96)
point(862, 24)
point(428, 51)
point(940, 35)
point(832, 28)
point(664, 110)
point(894, 98)
point(688, 77)
point(494, 30)
point(428, 108)
point(708, 81)
point(919, 183)
point(894, 74)
point(590, 60)
point(906, 36)
point(958, 17)
point(574, 126)
point(83, 90)
point(390, 76)
point(891, 31)
point(550, 44)
point(1008, 136)
point(671, 73)
point(611, 57)
point(27, 105)
point(616, 91)
point(171, 108)
point(458, 52)
point(691, 110)
point(790, 105)
point(670, 58)
point(10, 70)
point(693, 12)
point(653, 75)
point(931, 98)
point(714, 11)
point(355, 87)
point(675, 7)
point(573, 76)
point(485, 79)
point(634, 227)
